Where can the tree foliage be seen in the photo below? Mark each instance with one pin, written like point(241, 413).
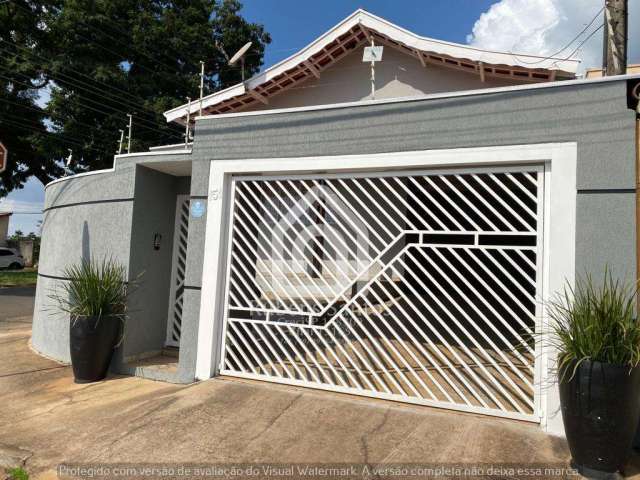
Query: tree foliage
point(102, 59)
point(21, 120)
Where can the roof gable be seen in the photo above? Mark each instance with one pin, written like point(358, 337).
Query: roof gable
point(353, 32)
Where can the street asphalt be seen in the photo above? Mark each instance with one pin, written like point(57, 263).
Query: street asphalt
point(16, 302)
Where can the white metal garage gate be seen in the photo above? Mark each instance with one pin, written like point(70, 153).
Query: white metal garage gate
point(418, 286)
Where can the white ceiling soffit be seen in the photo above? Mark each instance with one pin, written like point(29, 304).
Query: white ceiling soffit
point(393, 32)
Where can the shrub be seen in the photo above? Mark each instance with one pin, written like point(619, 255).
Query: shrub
point(18, 473)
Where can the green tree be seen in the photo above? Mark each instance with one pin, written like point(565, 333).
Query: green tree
point(103, 59)
point(22, 128)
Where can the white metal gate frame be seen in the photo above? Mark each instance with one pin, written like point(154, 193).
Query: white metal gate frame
point(511, 409)
point(559, 229)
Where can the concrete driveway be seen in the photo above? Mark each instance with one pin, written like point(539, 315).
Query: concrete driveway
point(46, 419)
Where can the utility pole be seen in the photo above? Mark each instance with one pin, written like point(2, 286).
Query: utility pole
point(201, 84)
point(129, 136)
point(614, 59)
point(120, 142)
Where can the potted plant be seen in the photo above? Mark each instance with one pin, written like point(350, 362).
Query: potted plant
point(95, 299)
point(597, 336)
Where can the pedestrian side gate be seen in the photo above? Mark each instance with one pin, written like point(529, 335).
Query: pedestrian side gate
point(418, 286)
point(178, 271)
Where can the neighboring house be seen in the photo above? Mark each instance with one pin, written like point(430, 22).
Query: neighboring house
point(632, 69)
point(330, 70)
point(400, 248)
point(4, 227)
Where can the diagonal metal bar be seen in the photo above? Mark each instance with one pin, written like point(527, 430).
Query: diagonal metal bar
point(285, 277)
point(468, 203)
point(337, 219)
point(367, 232)
point(480, 331)
point(444, 324)
point(496, 295)
point(484, 202)
point(504, 204)
point(318, 304)
point(288, 302)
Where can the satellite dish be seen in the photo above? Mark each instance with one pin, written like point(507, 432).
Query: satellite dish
point(240, 53)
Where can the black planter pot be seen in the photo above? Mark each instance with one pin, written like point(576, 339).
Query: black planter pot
point(92, 340)
point(600, 410)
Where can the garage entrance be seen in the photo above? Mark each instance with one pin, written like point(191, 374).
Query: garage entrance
point(420, 286)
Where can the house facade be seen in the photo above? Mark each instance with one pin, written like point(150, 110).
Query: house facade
point(400, 247)
point(4, 228)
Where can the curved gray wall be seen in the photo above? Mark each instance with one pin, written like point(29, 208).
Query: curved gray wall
point(86, 216)
point(110, 214)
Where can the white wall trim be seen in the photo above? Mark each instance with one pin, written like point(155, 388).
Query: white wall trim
point(115, 159)
point(559, 159)
point(183, 151)
point(83, 174)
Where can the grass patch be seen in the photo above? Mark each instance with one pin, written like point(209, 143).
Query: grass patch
point(18, 473)
point(18, 278)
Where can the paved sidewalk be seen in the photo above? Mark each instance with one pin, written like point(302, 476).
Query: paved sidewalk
point(127, 419)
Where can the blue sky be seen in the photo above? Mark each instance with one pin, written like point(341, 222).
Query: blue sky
point(524, 26)
point(293, 24)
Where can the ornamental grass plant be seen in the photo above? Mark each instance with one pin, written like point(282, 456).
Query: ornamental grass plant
point(94, 289)
point(595, 321)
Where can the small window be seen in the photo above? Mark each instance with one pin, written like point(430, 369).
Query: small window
point(5, 253)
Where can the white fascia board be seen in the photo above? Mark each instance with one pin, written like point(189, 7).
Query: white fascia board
point(457, 50)
point(389, 30)
point(271, 72)
point(207, 101)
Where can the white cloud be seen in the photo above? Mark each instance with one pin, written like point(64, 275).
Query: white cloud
point(19, 206)
point(543, 27)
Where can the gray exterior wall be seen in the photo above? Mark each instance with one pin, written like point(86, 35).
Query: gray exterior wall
point(115, 213)
point(153, 213)
point(594, 116)
point(84, 217)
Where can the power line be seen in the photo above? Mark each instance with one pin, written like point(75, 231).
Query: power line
point(171, 69)
point(114, 110)
point(48, 114)
point(63, 139)
point(551, 57)
point(76, 33)
point(585, 40)
point(138, 101)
